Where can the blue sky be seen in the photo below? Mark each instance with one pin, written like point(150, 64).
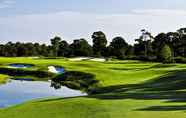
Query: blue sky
point(40, 20)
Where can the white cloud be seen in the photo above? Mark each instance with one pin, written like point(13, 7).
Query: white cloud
point(71, 25)
point(6, 3)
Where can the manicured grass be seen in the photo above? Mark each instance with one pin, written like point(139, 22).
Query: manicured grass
point(3, 78)
point(129, 89)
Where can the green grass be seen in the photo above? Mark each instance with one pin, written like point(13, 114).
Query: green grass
point(129, 89)
point(3, 78)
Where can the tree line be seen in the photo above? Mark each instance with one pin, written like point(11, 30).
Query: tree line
point(166, 47)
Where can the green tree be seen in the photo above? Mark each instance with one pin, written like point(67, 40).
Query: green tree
point(158, 42)
point(21, 49)
point(55, 45)
point(64, 49)
point(99, 43)
point(165, 54)
point(130, 51)
point(146, 37)
point(80, 47)
point(118, 47)
point(143, 47)
point(43, 50)
point(181, 46)
point(10, 50)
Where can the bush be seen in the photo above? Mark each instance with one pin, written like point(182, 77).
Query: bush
point(165, 54)
point(180, 60)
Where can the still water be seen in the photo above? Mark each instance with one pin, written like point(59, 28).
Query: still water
point(21, 65)
point(16, 91)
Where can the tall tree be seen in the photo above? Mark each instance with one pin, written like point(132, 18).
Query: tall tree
point(118, 47)
point(43, 50)
point(144, 44)
point(55, 45)
point(80, 47)
point(64, 50)
point(146, 37)
point(159, 41)
point(9, 50)
point(99, 43)
point(181, 48)
point(130, 51)
point(21, 49)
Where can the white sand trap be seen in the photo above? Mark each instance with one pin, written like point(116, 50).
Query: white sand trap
point(98, 59)
point(79, 59)
point(52, 69)
point(88, 58)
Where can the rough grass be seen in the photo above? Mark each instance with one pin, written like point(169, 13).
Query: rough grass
point(129, 89)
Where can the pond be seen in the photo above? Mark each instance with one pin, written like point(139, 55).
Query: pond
point(19, 65)
point(16, 92)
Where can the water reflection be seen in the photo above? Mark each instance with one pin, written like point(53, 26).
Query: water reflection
point(17, 65)
point(15, 92)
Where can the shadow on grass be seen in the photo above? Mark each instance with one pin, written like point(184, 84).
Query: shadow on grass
point(158, 66)
point(165, 108)
point(126, 69)
point(55, 99)
point(170, 88)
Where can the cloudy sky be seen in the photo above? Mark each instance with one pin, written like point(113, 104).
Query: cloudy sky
point(40, 20)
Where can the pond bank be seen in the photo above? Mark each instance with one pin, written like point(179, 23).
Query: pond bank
point(22, 72)
point(3, 78)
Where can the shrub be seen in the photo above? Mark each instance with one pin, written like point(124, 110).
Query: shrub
point(180, 60)
point(165, 54)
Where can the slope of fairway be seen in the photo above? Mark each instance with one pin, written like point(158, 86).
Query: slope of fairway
point(129, 89)
point(95, 108)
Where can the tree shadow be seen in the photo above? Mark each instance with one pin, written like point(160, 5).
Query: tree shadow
point(158, 66)
point(55, 99)
point(163, 66)
point(127, 69)
point(164, 108)
point(170, 88)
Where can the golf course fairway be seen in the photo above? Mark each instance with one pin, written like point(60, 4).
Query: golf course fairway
point(128, 89)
